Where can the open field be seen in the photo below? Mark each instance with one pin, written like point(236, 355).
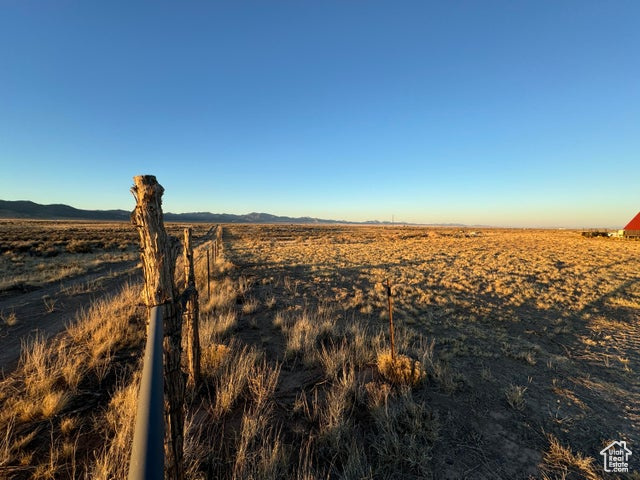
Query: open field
point(34, 253)
point(536, 333)
point(49, 270)
point(526, 343)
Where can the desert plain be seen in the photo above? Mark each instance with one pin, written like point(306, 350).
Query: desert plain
point(521, 348)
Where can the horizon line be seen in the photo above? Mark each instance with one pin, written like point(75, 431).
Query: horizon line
point(372, 222)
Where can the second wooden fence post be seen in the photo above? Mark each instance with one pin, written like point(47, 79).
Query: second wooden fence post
point(191, 312)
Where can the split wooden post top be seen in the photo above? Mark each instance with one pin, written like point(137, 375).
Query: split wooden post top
point(159, 252)
point(158, 257)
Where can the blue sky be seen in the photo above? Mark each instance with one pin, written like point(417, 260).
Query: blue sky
point(505, 113)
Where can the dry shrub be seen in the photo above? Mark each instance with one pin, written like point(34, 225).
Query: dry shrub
point(9, 319)
point(561, 462)
point(223, 297)
point(342, 346)
point(340, 400)
point(280, 320)
point(113, 460)
point(405, 432)
point(25, 410)
point(39, 367)
point(216, 327)
point(106, 325)
point(306, 332)
point(6, 442)
point(79, 246)
point(250, 306)
point(233, 377)
point(53, 402)
point(515, 396)
point(240, 376)
point(333, 359)
point(260, 452)
point(68, 425)
point(73, 372)
point(362, 343)
point(223, 266)
point(42, 369)
point(263, 383)
point(213, 357)
point(377, 394)
point(401, 371)
point(271, 302)
point(68, 450)
point(357, 464)
point(197, 446)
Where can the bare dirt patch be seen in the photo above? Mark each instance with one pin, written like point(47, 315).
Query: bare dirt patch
point(48, 310)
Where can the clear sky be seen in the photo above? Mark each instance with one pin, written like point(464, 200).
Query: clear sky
point(509, 113)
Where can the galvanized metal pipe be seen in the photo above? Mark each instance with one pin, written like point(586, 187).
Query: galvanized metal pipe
point(147, 454)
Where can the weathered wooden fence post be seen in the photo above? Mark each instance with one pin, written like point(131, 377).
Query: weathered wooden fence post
point(191, 313)
point(215, 248)
point(218, 242)
point(159, 253)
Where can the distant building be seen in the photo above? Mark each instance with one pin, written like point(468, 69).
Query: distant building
point(632, 230)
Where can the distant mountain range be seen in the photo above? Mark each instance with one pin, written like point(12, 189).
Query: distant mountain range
point(31, 210)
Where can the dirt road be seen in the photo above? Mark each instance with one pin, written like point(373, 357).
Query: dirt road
point(46, 311)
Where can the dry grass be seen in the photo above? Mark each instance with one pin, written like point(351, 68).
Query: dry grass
point(58, 250)
point(304, 333)
point(297, 377)
point(402, 370)
point(515, 396)
point(10, 319)
point(214, 356)
point(482, 321)
point(398, 451)
point(560, 462)
point(112, 461)
point(60, 375)
point(23, 271)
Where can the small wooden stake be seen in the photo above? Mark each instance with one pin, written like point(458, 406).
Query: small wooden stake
point(158, 253)
point(393, 343)
point(191, 313)
point(208, 273)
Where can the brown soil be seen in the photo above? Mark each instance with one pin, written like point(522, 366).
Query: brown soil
point(65, 298)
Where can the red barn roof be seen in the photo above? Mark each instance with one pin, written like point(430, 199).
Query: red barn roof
point(634, 224)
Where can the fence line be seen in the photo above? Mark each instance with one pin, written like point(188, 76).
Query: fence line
point(206, 253)
point(158, 432)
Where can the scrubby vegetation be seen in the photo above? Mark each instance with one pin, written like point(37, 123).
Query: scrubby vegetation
point(515, 358)
point(37, 253)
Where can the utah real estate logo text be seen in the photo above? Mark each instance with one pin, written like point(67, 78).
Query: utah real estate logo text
point(616, 457)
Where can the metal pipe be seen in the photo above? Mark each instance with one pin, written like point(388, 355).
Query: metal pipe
point(147, 454)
